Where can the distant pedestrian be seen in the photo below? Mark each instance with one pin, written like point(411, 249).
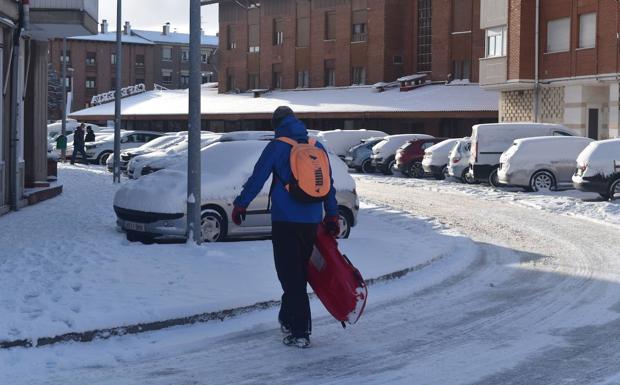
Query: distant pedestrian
point(90, 134)
point(295, 214)
point(78, 144)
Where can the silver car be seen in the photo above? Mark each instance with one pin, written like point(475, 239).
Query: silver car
point(541, 163)
point(458, 162)
point(153, 207)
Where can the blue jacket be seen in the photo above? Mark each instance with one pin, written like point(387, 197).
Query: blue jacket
point(276, 157)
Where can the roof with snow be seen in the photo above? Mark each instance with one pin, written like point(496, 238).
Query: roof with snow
point(147, 37)
point(351, 100)
point(110, 37)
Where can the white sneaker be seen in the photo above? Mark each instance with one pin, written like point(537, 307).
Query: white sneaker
point(300, 342)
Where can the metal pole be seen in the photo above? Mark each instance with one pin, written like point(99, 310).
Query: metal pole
point(193, 160)
point(14, 130)
point(536, 69)
point(63, 131)
point(117, 94)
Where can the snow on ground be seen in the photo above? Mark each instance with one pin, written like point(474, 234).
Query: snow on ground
point(568, 202)
point(76, 272)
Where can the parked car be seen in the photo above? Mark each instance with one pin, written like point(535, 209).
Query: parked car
point(541, 163)
point(489, 141)
point(339, 141)
point(167, 140)
point(99, 150)
point(458, 163)
point(358, 156)
point(384, 153)
point(154, 206)
point(598, 169)
point(409, 156)
point(436, 158)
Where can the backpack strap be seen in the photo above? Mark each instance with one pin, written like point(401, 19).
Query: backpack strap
point(286, 140)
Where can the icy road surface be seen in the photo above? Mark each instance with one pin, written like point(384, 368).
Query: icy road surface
point(537, 302)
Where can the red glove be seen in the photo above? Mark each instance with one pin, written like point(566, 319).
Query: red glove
point(238, 215)
point(332, 225)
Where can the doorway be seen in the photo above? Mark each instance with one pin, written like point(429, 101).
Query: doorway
point(593, 123)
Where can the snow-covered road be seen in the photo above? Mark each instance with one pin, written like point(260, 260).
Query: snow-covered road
point(535, 301)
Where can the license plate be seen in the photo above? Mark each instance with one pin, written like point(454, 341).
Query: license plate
point(134, 226)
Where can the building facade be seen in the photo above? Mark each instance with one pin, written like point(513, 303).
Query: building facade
point(149, 57)
point(285, 44)
point(565, 69)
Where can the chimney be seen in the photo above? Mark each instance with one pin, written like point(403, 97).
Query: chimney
point(104, 26)
point(166, 29)
point(127, 28)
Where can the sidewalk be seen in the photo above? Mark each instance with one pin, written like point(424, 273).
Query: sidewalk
point(64, 268)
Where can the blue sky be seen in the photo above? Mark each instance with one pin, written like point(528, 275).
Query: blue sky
point(152, 14)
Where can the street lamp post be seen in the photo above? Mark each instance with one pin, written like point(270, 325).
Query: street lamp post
point(194, 229)
point(117, 95)
point(63, 131)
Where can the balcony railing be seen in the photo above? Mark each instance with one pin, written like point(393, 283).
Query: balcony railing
point(493, 71)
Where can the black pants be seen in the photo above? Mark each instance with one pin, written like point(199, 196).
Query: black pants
point(292, 247)
point(81, 151)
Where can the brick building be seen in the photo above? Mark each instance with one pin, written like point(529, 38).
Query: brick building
point(573, 76)
point(149, 57)
point(317, 43)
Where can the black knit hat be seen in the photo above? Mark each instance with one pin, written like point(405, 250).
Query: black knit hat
point(279, 114)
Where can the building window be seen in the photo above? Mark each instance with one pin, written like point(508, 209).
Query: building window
point(424, 36)
point(184, 79)
point(276, 76)
point(278, 32)
point(330, 73)
point(398, 59)
point(253, 82)
point(558, 35)
point(166, 53)
point(113, 59)
point(303, 79)
point(460, 69)
point(65, 59)
point(587, 30)
point(166, 76)
point(140, 61)
point(206, 77)
point(330, 25)
point(91, 58)
point(254, 38)
point(303, 32)
point(230, 37)
point(204, 56)
point(184, 54)
point(91, 83)
point(496, 42)
point(360, 19)
point(358, 75)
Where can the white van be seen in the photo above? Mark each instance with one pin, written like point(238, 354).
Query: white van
point(541, 163)
point(435, 161)
point(598, 169)
point(340, 141)
point(489, 141)
point(384, 153)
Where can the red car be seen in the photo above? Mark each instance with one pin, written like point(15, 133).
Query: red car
point(409, 156)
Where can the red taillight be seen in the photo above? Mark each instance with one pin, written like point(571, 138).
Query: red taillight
point(582, 167)
point(456, 160)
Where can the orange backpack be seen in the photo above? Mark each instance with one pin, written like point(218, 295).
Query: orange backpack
point(310, 168)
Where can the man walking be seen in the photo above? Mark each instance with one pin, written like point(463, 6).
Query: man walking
point(90, 134)
point(78, 144)
point(294, 221)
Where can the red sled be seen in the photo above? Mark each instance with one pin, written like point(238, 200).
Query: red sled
point(334, 279)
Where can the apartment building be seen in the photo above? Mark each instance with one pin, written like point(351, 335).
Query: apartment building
point(565, 69)
point(23, 104)
point(149, 57)
point(285, 44)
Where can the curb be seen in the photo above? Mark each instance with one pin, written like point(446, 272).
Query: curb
point(103, 334)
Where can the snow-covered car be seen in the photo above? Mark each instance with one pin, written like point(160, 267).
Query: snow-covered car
point(154, 206)
point(339, 141)
point(159, 160)
point(458, 162)
point(165, 141)
point(384, 153)
point(598, 169)
point(436, 157)
point(489, 141)
point(99, 150)
point(358, 156)
point(542, 163)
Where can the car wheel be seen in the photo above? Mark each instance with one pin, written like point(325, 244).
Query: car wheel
point(367, 167)
point(614, 190)
point(387, 170)
point(103, 158)
point(467, 178)
point(604, 196)
point(345, 221)
point(442, 175)
point(415, 170)
point(542, 181)
point(494, 178)
point(212, 226)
